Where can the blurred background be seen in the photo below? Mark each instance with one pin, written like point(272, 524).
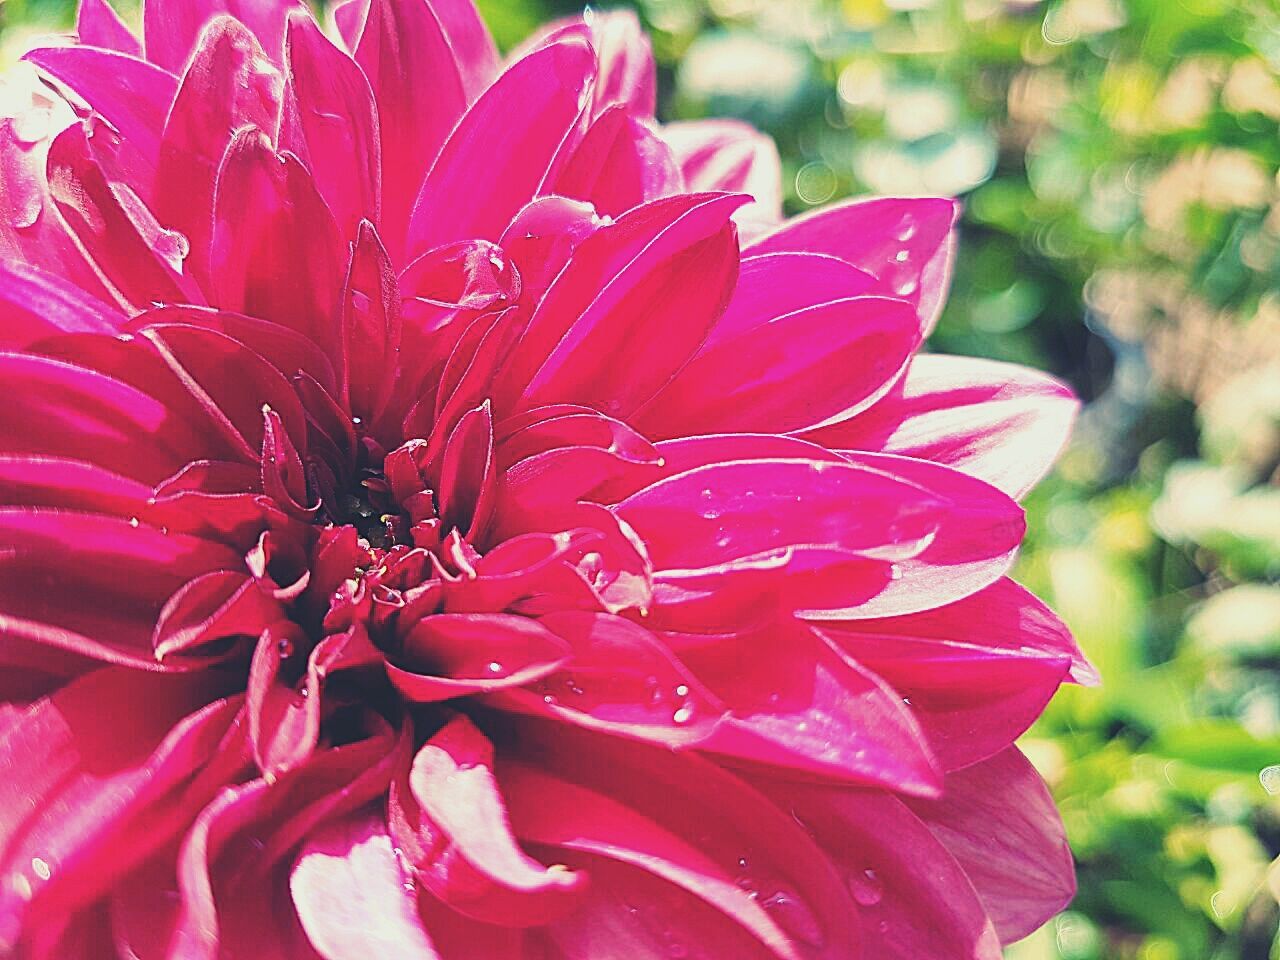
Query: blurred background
point(1118, 163)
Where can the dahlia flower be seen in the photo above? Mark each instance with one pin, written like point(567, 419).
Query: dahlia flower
point(445, 513)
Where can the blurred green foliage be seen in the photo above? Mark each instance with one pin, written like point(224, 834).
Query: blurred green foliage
point(1118, 161)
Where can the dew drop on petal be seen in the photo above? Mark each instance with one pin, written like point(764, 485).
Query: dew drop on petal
point(40, 868)
point(866, 887)
point(134, 522)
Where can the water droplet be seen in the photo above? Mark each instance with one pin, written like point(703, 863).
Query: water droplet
point(867, 888)
point(906, 231)
point(682, 690)
point(173, 246)
point(895, 572)
point(682, 715)
point(549, 700)
point(134, 522)
point(906, 288)
point(356, 421)
point(494, 667)
point(1270, 779)
point(40, 868)
point(284, 647)
point(794, 917)
point(902, 256)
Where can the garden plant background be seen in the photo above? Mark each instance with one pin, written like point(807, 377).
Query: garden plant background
point(1118, 162)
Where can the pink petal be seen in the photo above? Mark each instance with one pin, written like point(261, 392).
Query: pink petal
point(999, 822)
point(905, 243)
point(328, 119)
point(913, 898)
point(621, 680)
point(35, 304)
point(135, 256)
point(351, 894)
point(233, 896)
point(619, 163)
point(729, 155)
point(370, 326)
point(773, 285)
point(451, 655)
point(468, 475)
point(978, 534)
point(792, 701)
point(229, 83)
point(1002, 423)
point(472, 46)
point(794, 371)
point(98, 25)
point(474, 863)
point(473, 190)
point(85, 801)
point(417, 83)
point(735, 832)
point(171, 27)
point(133, 95)
point(730, 511)
point(276, 249)
point(649, 286)
point(973, 695)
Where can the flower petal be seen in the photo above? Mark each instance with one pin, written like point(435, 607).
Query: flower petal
point(328, 119)
point(789, 373)
point(351, 894)
point(913, 898)
point(730, 155)
point(1002, 423)
point(619, 163)
point(474, 190)
point(904, 242)
point(999, 822)
point(417, 83)
point(98, 25)
point(170, 27)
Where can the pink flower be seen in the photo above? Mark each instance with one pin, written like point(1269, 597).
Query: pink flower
point(440, 516)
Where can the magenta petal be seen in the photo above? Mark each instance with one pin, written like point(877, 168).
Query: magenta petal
point(133, 253)
point(171, 27)
point(35, 304)
point(913, 898)
point(451, 655)
point(133, 95)
point(730, 155)
point(1002, 423)
point(793, 701)
point(978, 533)
point(352, 897)
point(276, 251)
point(998, 820)
point(228, 84)
point(668, 268)
point(619, 163)
point(791, 372)
point(417, 84)
point(472, 46)
point(477, 866)
point(370, 326)
point(328, 119)
point(729, 511)
point(98, 25)
point(473, 190)
point(904, 242)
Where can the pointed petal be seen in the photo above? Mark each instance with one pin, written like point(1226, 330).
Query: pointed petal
point(473, 47)
point(979, 531)
point(276, 249)
point(904, 242)
point(132, 94)
point(98, 25)
point(650, 287)
point(620, 163)
point(913, 898)
point(228, 84)
point(473, 190)
point(1002, 423)
point(417, 83)
point(170, 27)
point(729, 155)
point(794, 371)
point(35, 304)
point(328, 119)
point(999, 822)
